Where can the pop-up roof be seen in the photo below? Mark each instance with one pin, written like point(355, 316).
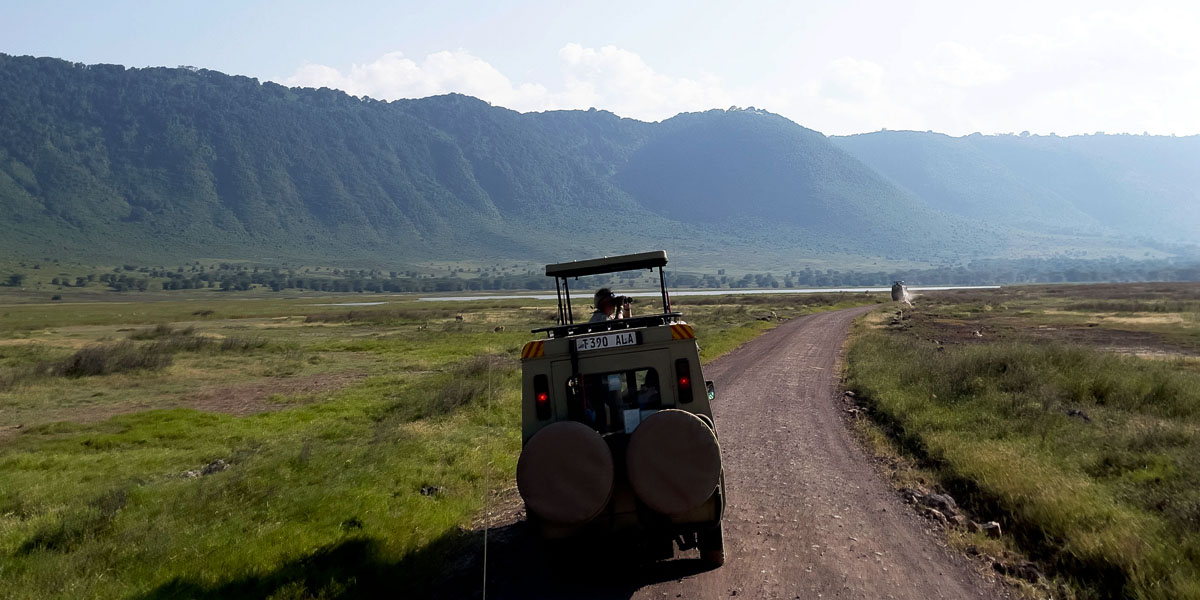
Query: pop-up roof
point(608, 264)
point(563, 272)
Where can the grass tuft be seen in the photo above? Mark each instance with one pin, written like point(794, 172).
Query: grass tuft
point(1091, 459)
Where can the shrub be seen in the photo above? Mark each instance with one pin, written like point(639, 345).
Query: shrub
point(104, 359)
point(235, 344)
point(160, 331)
point(379, 316)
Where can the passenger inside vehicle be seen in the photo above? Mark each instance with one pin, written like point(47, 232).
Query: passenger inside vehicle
point(648, 395)
point(601, 401)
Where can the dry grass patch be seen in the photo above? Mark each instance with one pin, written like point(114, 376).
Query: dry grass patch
point(275, 394)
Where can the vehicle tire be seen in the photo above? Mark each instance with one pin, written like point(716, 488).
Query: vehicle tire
point(712, 546)
point(565, 473)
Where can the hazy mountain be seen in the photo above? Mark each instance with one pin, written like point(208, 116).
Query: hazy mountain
point(108, 163)
point(1139, 186)
point(767, 176)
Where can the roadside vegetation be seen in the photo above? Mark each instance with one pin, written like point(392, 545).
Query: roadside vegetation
point(1069, 415)
point(263, 447)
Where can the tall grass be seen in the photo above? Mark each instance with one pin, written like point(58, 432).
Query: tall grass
point(380, 315)
point(105, 359)
point(150, 349)
point(364, 491)
point(1150, 306)
point(1091, 459)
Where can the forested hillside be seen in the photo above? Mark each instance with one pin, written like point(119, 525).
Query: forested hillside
point(107, 163)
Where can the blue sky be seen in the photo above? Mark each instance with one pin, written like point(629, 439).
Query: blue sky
point(846, 67)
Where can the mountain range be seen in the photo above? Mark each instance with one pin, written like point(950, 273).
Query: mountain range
point(105, 163)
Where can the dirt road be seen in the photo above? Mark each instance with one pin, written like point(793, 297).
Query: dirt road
point(808, 516)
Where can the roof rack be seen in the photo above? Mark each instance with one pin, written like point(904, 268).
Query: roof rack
point(561, 331)
point(561, 272)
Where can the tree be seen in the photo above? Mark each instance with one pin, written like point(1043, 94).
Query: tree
point(16, 279)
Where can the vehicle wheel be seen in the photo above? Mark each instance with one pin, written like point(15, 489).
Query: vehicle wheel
point(712, 547)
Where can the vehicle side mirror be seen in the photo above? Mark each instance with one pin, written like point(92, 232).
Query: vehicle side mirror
point(712, 391)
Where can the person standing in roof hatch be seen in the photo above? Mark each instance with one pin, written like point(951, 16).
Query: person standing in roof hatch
point(606, 303)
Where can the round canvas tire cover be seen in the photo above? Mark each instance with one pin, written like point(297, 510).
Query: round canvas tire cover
point(674, 462)
point(565, 473)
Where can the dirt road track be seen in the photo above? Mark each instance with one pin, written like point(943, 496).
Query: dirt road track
point(808, 515)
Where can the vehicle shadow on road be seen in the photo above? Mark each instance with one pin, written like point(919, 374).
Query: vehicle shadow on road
point(519, 566)
point(522, 566)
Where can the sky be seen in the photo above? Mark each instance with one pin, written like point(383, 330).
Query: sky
point(954, 67)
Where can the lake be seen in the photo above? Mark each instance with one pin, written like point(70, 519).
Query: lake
point(722, 292)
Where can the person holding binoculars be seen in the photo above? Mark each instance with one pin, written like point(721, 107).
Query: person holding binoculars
point(607, 304)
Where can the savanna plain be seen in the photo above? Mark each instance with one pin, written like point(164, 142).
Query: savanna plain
point(245, 445)
point(226, 444)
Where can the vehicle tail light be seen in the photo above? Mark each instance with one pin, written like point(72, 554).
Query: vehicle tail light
point(683, 376)
point(541, 396)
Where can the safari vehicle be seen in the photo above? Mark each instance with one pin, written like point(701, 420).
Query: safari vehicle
point(618, 439)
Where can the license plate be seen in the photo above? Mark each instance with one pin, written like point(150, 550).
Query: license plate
point(610, 340)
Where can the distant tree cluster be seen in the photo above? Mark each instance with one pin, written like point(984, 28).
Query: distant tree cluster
point(123, 282)
point(234, 277)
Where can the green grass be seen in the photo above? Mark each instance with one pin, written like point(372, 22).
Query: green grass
point(1090, 459)
point(300, 481)
point(361, 489)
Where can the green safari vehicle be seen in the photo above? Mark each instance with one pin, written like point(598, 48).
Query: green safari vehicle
point(618, 438)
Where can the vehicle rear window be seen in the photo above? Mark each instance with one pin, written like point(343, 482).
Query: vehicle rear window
point(602, 400)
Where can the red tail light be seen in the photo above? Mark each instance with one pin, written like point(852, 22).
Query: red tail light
point(541, 396)
point(683, 375)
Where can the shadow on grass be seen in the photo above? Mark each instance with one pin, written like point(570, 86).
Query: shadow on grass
point(519, 566)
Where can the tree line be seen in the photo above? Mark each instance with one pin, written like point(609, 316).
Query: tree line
point(231, 277)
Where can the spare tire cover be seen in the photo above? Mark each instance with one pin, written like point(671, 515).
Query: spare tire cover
point(565, 473)
point(674, 461)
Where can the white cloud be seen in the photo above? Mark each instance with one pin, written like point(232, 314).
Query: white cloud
point(394, 76)
point(852, 79)
point(1110, 72)
point(961, 66)
point(619, 80)
point(608, 77)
